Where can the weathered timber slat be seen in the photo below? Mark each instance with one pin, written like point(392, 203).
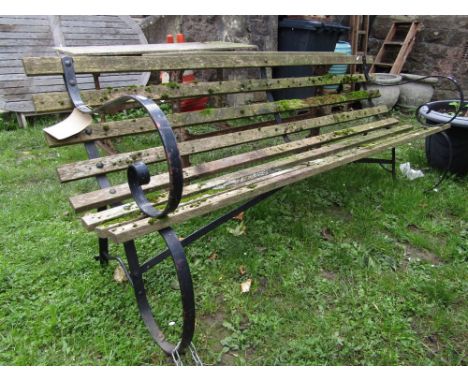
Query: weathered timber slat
point(177, 120)
point(60, 101)
point(51, 65)
point(236, 179)
point(116, 162)
point(144, 226)
point(118, 193)
point(154, 48)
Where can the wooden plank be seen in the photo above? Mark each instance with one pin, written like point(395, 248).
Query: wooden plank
point(85, 23)
point(18, 106)
point(154, 48)
point(60, 101)
point(120, 192)
point(95, 30)
point(116, 162)
point(12, 28)
point(92, 36)
point(228, 181)
point(85, 64)
point(103, 41)
point(10, 61)
point(27, 42)
point(144, 226)
point(177, 120)
point(23, 20)
point(24, 35)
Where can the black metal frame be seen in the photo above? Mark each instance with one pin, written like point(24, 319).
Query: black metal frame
point(138, 175)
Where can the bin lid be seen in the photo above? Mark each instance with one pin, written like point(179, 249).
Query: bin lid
point(312, 25)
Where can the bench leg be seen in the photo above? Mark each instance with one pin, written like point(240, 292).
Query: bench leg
point(186, 290)
point(103, 251)
point(394, 163)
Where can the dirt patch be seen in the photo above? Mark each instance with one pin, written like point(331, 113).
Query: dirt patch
point(328, 275)
point(413, 228)
point(412, 253)
point(340, 213)
point(262, 285)
point(431, 341)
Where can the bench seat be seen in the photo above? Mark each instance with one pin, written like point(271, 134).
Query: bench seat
point(292, 162)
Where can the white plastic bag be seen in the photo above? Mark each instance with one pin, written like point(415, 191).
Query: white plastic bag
point(410, 173)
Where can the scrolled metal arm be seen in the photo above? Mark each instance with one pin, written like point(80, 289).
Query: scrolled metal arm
point(138, 173)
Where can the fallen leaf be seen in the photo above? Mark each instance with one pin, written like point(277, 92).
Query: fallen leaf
point(245, 286)
point(327, 234)
point(242, 270)
point(239, 217)
point(119, 275)
point(213, 256)
point(240, 229)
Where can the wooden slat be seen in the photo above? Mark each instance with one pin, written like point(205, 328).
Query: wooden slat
point(23, 20)
point(147, 225)
point(25, 35)
point(27, 42)
point(226, 181)
point(177, 120)
point(112, 163)
point(51, 102)
point(11, 28)
point(111, 25)
point(154, 48)
point(95, 30)
point(84, 64)
point(120, 192)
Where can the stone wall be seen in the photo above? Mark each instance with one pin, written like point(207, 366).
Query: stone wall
point(258, 30)
point(441, 47)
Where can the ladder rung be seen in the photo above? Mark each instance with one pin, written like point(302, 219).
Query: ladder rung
point(398, 43)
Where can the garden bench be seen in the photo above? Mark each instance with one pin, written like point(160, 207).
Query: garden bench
point(244, 161)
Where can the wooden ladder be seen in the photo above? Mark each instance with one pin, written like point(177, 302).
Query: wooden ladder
point(359, 37)
point(396, 47)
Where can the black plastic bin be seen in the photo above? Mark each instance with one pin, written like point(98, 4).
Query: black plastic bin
point(305, 36)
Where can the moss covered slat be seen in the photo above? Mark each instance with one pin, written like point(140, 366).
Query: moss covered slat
point(59, 101)
point(120, 192)
point(107, 130)
point(116, 162)
point(346, 140)
point(144, 226)
point(35, 66)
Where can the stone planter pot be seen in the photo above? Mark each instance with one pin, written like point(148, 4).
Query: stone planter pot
point(389, 90)
point(414, 94)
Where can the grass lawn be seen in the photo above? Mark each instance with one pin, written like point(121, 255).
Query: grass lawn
point(347, 268)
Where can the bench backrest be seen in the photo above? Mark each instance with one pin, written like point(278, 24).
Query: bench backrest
point(232, 133)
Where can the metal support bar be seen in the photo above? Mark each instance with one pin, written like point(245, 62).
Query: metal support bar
point(381, 162)
point(184, 277)
point(206, 229)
